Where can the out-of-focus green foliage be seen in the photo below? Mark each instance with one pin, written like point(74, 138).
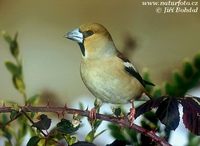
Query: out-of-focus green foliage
point(40, 134)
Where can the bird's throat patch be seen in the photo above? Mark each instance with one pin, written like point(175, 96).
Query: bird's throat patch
point(82, 48)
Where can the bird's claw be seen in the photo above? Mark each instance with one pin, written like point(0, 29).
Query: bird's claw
point(92, 113)
point(131, 116)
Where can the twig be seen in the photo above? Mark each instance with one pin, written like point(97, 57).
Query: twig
point(59, 109)
point(25, 114)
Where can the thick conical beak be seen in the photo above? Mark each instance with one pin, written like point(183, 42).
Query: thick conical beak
point(75, 35)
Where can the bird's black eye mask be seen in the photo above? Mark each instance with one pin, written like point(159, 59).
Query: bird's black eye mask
point(87, 33)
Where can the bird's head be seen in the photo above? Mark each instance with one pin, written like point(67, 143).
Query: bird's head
point(94, 40)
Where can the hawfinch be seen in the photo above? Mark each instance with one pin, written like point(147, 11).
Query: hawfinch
point(109, 75)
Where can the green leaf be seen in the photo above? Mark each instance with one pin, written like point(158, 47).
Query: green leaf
point(34, 99)
point(8, 135)
point(4, 119)
point(42, 142)
point(178, 79)
point(7, 143)
point(7, 37)
point(66, 127)
point(19, 83)
point(33, 141)
point(13, 114)
point(90, 136)
point(193, 140)
point(117, 112)
point(146, 77)
point(169, 89)
point(81, 106)
point(14, 49)
point(197, 61)
point(123, 134)
point(96, 124)
point(151, 117)
point(72, 140)
point(22, 132)
point(188, 69)
point(116, 131)
point(13, 68)
point(157, 92)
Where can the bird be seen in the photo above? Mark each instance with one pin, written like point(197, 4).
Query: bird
point(105, 71)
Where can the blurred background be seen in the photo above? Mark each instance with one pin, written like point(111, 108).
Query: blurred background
point(158, 42)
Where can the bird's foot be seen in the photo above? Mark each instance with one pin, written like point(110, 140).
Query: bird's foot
point(131, 116)
point(92, 113)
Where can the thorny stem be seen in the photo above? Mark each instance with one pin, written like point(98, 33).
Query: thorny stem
point(59, 109)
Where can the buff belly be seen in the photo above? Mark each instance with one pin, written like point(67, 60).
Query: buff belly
point(110, 83)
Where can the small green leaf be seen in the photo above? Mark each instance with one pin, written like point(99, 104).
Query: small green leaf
point(169, 89)
point(14, 48)
point(42, 142)
point(34, 99)
point(66, 127)
point(22, 132)
point(117, 112)
point(90, 136)
point(197, 61)
point(151, 117)
point(72, 140)
point(115, 131)
point(13, 114)
point(157, 92)
point(97, 103)
point(81, 106)
point(7, 143)
point(178, 79)
point(4, 119)
point(123, 134)
point(7, 38)
point(33, 141)
point(14, 69)
point(96, 124)
point(188, 69)
point(19, 83)
point(7, 135)
point(145, 76)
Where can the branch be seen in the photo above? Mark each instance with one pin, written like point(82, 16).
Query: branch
point(65, 109)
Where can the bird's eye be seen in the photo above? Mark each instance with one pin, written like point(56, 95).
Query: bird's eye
point(87, 33)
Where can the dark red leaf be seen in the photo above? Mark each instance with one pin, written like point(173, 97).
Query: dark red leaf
point(149, 105)
point(191, 114)
point(168, 113)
